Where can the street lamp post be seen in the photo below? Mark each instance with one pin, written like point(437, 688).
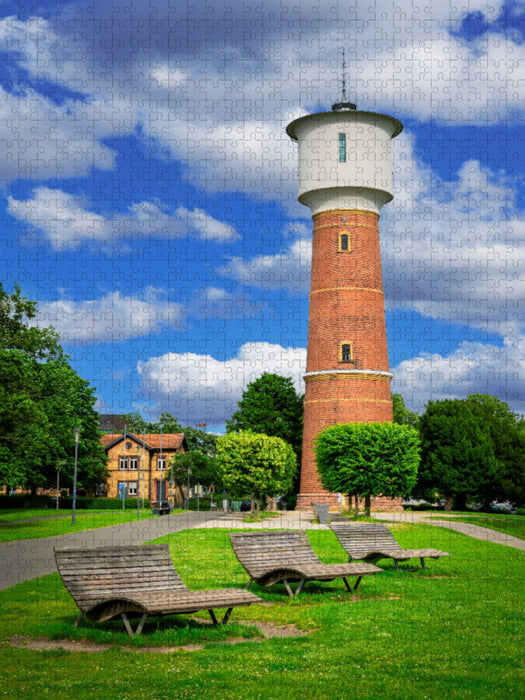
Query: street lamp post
point(188, 490)
point(58, 483)
point(138, 481)
point(77, 434)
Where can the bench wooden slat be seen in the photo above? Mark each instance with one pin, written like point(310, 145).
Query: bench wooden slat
point(374, 541)
point(272, 557)
point(109, 581)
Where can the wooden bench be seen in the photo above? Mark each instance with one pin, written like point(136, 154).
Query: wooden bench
point(374, 541)
point(139, 580)
point(160, 508)
point(272, 557)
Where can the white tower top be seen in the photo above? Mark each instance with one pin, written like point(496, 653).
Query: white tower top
point(345, 159)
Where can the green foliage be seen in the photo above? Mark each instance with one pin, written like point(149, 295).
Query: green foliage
point(472, 449)
point(255, 463)
point(25, 500)
point(270, 405)
point(87, 503)
point(402, 416)
point(202, 469)
point(42, 399)
point(368, 459)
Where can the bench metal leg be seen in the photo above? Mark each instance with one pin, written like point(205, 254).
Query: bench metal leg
point(422, 560)
point(213, 618)
point(357, 582)
point(348, 586)
point(298, 589)
point(300, 586)
point(249, 583)
point(140, 626)
point(396, 563)
point(79, 617)
point(126, 624)
point(290, 592)
point(227, 616)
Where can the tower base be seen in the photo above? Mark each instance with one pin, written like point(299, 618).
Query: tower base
point(381, 504)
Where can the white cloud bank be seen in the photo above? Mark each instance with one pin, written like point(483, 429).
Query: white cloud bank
point(67, 222)
point(227, 125)
point(202, 388)
point(111, 318)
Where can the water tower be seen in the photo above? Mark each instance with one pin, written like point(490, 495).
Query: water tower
point(345, 177)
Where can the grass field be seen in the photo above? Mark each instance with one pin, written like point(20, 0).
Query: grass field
point(454, 630)
point(52, 526)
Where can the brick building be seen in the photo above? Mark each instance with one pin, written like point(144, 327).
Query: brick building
point(345, 179)
point(141, 462)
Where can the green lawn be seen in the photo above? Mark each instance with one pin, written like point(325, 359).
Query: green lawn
point(509, 524)
point(454, 630)
point(84, 520)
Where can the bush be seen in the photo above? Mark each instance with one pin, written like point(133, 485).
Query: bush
point(204, 503)
point(25, 500)
point(87, 503)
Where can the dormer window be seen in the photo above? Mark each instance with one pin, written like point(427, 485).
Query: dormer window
point(346, 352)
point(343, 243)
point(342, 148)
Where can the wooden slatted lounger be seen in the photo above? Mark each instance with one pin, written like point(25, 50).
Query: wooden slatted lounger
point(374, 541)
point(284, 556)
point(109, 581)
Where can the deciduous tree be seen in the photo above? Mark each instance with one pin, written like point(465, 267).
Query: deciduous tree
point(368, 459)
point(42, 399)
point(255, 464)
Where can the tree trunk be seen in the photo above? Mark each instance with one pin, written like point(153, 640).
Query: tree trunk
point(356, 507)
point(448, 502)
point(258, 501)
point(252, 506)
point(367, 505)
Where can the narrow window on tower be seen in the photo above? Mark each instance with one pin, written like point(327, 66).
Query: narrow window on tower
point(343, 243)
point(342, 148)
point(346, 352)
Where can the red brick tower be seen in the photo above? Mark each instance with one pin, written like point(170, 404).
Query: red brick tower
point(345, 179)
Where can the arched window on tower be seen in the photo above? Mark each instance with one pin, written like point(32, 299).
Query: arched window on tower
point(346, 352)
point(343, 243)
point(342, 148)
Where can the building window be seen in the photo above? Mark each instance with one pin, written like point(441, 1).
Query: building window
point(344, 243)
point(346, 352)
point(161, 462)
point(133, 463)
point(122, 462)
point(342, 148)
point(132, 488)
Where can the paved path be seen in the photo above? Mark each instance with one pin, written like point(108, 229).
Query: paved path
point(22, 560)
point(475, 531)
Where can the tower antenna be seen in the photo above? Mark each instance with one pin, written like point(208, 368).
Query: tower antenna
point(344, 105)
point(344, 78)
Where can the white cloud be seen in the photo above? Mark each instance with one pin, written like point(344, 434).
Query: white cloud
point(472, 368)
point(216, 302)
point(288, 270)
point(200, 387)
point(111, 318)
point(227, 126)
point(453, 250)
point(66, 221)
point(39, 139)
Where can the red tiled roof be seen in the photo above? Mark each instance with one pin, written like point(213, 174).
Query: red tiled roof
point(170, 441)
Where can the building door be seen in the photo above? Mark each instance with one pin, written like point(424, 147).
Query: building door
point(161, 490)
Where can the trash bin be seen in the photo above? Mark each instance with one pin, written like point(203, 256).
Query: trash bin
point(321, 511)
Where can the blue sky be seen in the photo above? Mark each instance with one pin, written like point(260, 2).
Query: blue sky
point(148, 189)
